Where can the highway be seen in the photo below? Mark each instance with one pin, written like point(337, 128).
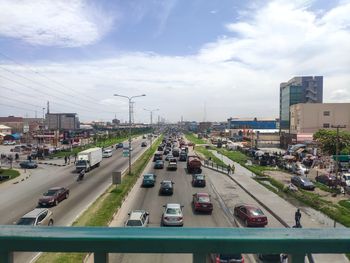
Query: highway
point(224, 194)
point(18, 199)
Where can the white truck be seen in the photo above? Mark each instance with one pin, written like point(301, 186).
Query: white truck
point(88, 159)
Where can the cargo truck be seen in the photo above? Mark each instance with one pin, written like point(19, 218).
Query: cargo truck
point(88, 159)
point(194, 165)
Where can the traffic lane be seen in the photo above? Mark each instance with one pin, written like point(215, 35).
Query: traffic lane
point(18, 199)
point(83, 193)
point(232, 194)
point(149, 199)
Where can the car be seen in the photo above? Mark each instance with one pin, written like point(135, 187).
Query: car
point(302, 182)
point(157, 156)
point(198, 180)
point(126, 148)
point(137, 218)
point(201, 203)
point(28, 164)
point(270, 258)
point(37, 217)
point(250, 215)
point(183, 157)
point(176, 152)
point(144, 144)
point(53, 196)
point(166, 187)
point(107, 153)
point(227, 258)
point(172, 215)
point(300, 169)
point(160, 148)
point(9, 142)
point(327, 179)
point(159, 164)
point(167, 151)
point(168, 157)
point(148, 180)
point(119, 145)
point(346, 179)
point(172, 164)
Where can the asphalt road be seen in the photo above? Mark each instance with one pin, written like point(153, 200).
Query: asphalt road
point(16, 200)
point(149, 199)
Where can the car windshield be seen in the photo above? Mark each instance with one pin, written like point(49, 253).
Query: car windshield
point(203, 199)
point(347, 177)
point(230, 256)
point(256, 212)
point(50, 193)
point(134, 223)
point(199, 177)
point(166, 184)
point(26, 221)
point(148, 176)
point(173, 211)
point(81, 162)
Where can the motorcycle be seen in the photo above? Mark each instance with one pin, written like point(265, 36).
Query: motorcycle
point(81, 175)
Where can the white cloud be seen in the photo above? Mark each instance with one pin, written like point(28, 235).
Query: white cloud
point(63, 23)
point(237, 75)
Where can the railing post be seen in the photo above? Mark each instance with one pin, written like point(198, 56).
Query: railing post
point(6, 256)
point(199, 258)
point(296, 258)
point(100, 257)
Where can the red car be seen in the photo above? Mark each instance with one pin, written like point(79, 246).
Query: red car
point(251, 215)
point(53, 196)
point(202, 203)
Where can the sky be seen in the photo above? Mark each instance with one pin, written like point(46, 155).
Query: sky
point(202, 60)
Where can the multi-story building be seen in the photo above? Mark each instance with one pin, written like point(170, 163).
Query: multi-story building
point(204, 126)
point(304, 89)
point(5, 130)
point(15, 123)
point(62, 121)
point(308, 118)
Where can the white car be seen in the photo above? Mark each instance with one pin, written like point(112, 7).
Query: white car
point(172, 215)
point(107, 153)
point(346, 178)
point(137, 218)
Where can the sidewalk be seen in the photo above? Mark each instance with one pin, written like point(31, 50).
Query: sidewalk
point(276, 204)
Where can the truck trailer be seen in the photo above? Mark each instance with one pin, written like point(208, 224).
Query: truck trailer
point(88, 159)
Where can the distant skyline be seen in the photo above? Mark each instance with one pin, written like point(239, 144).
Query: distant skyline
point(198, 59)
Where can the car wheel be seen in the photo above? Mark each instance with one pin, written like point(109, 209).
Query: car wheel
point(50, 223)
point(67, 195)
point(56, 202)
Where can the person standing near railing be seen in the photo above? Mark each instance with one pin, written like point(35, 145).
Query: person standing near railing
point(228, 169)
point(233, 168)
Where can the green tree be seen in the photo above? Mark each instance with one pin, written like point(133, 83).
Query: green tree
point(328, 141)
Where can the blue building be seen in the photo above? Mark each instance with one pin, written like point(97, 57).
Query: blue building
point(252, 123)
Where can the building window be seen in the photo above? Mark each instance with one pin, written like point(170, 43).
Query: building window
point(326, 113)
point(326, 125)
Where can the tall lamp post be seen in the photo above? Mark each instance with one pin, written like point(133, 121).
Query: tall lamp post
point(151, 115)
point(130, 101)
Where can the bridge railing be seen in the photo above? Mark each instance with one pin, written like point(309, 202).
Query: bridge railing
point(200, 242)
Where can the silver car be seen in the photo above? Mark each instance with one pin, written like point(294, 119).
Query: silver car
point(37, 217)
point(172, 215)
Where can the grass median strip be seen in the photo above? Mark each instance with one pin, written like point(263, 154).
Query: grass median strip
point(208, 154)
point(101, 212)
point(193, 138)
point(10, 173)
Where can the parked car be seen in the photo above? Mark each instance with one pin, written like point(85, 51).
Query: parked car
point(160, 148)
point(302, 182)
point(250, 215)
point(172, 215)
point(202, 203)
point(148, 180)
point(327, 179)
point(37, 217)
point(159, 164)
point(166, 187)
point(144, 144)
point(300, 169)
point(137, 218)
point(198, 180)
point(227, 258)
point(119, 145)
point(28, 164)
point(53, 196)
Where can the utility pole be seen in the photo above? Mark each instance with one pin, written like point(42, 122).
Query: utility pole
point(337, 148)
point(151, 123)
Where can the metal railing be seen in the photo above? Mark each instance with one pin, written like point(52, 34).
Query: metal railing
point(200, 242)
point(215, 166)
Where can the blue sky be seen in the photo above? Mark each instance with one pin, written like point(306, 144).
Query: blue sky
point(225, 54)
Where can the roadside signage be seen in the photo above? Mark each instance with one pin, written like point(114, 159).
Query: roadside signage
point(125, 153)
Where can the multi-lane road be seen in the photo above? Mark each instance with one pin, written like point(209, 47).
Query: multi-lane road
point(18, 199)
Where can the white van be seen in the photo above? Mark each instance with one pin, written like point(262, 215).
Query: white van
point(107, 153)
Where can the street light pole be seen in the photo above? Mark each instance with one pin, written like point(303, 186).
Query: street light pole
point(130, 102)
point(151, 115)
point(337, 148)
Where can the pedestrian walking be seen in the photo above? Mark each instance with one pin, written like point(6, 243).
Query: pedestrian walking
point(283, 258)
point(68, 159)
point(228, 169)
point(297, 218)
point(233, 168)
point(65, 159)
point(75, 157)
